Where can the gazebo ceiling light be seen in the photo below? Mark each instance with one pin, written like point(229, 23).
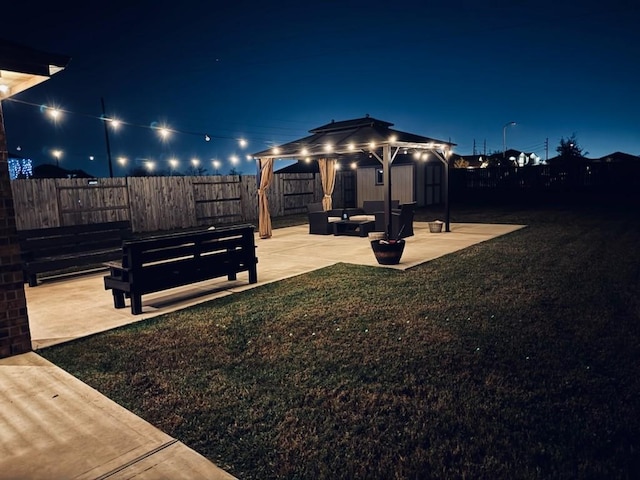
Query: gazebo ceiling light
point(319, 151)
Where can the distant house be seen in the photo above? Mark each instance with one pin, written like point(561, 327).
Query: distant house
point(511, 157)
point(618, 157)
point(53, 171)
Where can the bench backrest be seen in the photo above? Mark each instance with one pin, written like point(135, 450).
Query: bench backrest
point(173, 259)
point(71, 239)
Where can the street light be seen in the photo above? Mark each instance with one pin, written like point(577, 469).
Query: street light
point(504, 137)
point(57, 154)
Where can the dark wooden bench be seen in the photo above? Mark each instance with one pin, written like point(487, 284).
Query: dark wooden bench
point(172, 260)
point(77, 247)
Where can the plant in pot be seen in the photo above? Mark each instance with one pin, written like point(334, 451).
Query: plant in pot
point(388, 251)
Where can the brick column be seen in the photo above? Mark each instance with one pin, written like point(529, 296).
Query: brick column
point(15, 336)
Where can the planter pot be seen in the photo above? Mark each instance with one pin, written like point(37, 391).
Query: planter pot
point(435, 227)
point(388, 253)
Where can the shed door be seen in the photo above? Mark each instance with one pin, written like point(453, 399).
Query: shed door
point(433, 184)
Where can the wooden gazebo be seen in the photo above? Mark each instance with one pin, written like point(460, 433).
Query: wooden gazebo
point(328, 143)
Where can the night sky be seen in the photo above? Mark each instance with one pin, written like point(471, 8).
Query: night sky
point(269, 72)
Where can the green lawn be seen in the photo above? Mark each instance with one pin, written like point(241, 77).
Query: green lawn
point(514, 358)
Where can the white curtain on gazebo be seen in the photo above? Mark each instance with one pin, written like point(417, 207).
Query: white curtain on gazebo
point(327, 168)
point(264, 218)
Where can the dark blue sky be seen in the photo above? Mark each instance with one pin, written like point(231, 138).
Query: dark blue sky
point(270, 71)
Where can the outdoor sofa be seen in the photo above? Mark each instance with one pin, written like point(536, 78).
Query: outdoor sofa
point(373, 210)
point(320, 221)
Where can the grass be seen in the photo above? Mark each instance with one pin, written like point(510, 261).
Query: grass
point(514, 358)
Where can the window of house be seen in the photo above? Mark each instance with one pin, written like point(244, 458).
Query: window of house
point(379, 177)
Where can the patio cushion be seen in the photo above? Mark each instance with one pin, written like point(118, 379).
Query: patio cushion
point(333, 219)
point(363, 218)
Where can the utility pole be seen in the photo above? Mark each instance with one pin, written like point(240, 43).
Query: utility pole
point(546, 149)
point(106, 136)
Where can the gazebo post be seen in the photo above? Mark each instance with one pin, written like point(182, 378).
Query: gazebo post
point(386, 178)
point(447, 211)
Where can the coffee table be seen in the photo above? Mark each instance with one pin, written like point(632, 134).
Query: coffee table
point(353, 227)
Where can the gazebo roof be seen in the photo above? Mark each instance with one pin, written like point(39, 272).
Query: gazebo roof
point(351, 136)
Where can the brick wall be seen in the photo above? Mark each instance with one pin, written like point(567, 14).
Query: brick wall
point(15, 336)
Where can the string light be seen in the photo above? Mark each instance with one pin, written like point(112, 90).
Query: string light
point(54, 113)
point(165, 132)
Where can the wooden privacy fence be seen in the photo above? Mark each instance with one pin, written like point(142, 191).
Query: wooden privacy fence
point(159, 203)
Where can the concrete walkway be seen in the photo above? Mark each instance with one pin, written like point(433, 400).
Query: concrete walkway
point(55, 426)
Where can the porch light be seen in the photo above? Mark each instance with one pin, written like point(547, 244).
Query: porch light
point(242, 142)
point(351, 146)
point(276, 151)
point(328, 148)
point(304, 151)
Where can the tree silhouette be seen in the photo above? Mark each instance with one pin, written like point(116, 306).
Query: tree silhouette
point(569, 149)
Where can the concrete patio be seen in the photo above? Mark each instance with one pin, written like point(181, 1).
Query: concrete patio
point(55, 426)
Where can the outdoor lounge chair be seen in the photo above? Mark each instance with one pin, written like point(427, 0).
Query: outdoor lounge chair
point(320, 221)
point(402, 220)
